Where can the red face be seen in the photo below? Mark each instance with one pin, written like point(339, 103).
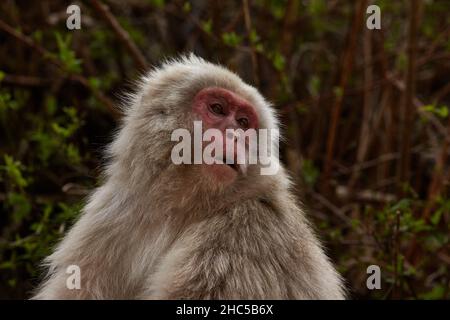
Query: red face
point(222, 109)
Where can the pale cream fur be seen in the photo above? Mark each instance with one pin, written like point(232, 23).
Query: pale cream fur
point(155, 230)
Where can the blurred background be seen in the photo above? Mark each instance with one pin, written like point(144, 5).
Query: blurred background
point(365, 114)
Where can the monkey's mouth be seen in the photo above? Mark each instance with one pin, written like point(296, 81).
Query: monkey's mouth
point(233, 166)
point(222, 163)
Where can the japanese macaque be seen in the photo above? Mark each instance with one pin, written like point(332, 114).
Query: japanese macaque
point(159, 230)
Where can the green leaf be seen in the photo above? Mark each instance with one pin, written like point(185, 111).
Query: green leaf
point(436, 217)
point(20, 204)
point(436, 293)
point(157, 3)
point(314, 85)
point(338, 92)
point(7, 102)
point(401, 61)
point(403, 205)
point(254, 37)
point(94, 82)
point(316, 7)
point(13, 170)
point(7, 265)
point(231, 39)
point(309, 172)
point(12, 282)
point(66, 54)
point(278, 61)
point(50, 104)
point(73, 154)
point(187, 7)
point(441, 111)
point(207, 26)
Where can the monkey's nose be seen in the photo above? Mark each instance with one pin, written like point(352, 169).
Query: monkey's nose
point(231, 142)
point(232, 135)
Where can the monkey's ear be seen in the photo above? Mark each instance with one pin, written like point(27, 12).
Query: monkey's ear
point(162, 112)
point(157, 111)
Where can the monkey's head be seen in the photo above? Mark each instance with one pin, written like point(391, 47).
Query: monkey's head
point(212, 105)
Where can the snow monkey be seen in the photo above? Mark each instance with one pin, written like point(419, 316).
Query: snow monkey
point(159, 230)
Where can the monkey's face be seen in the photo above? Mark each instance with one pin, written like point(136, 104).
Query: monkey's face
point(224, 115)
point(198, 112)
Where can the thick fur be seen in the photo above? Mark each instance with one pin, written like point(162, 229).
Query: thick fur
point(155, 230)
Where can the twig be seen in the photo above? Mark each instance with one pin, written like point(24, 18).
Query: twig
point(432, 48)
point(442, 93)
point(396, 239)
point(364, 136)
point(248, 27)
point(330, 206)
point(174, 12)
point(418, 104)
point(25, 81)
point(347, 65)
point(344, 192)
point(434, 191)
point(123, 36)
point(407, 116)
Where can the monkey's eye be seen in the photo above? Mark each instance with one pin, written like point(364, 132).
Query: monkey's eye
point(216, 108)
point(243, 122)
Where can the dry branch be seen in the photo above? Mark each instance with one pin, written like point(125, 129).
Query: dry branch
point(55, 61)
point(407, 116)
point(347, 64)
point(123, 35)
point(248, 27)
point(25, 81)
